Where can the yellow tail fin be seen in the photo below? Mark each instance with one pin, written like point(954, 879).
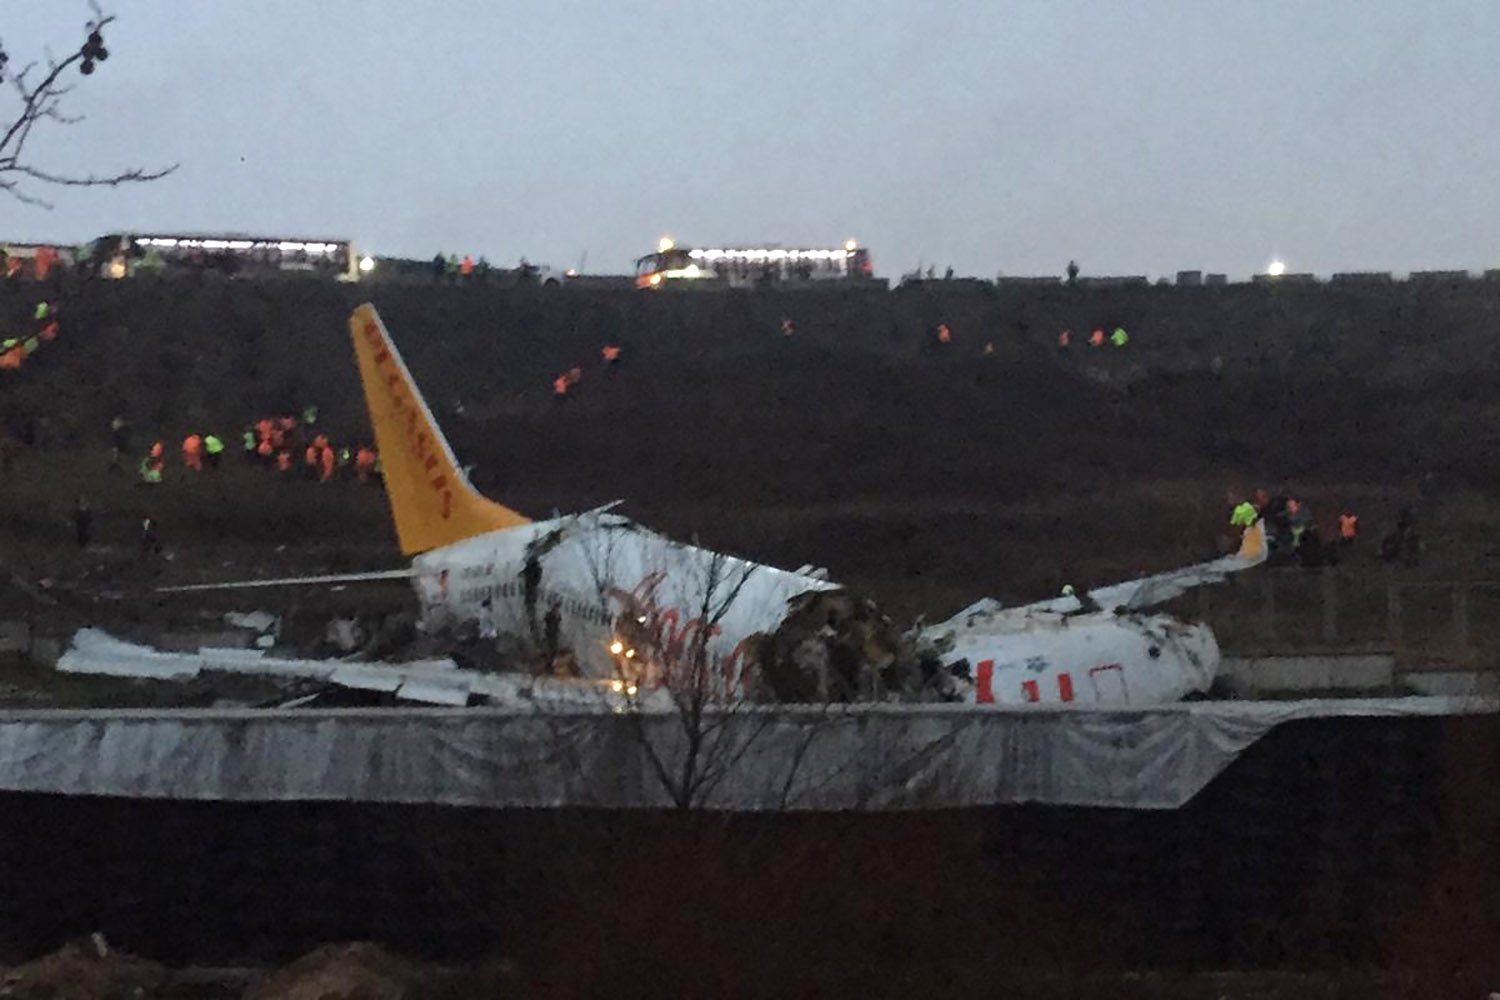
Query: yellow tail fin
point(431, 499)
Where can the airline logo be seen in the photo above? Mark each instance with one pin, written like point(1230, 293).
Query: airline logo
point(419, 446)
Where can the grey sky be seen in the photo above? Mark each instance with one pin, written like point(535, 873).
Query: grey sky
point(1008, 135)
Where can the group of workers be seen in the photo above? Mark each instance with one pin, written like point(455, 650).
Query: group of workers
point(274, 442)
point(452, 268)
point(1118, 339)
point(14, 351)
point(565, 382)
point(1291, 530)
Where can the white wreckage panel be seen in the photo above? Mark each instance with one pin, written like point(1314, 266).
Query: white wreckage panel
point(433, 682)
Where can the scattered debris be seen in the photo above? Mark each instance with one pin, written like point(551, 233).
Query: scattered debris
point(365, 971)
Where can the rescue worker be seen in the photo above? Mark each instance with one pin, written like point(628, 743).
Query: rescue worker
point(450, 268)
point(326, 462)
point(249, 441)
point(310, 460)
point(157, 450)
point(310, 414)
point(12, 357)
point(944, 335)
point(1119, 338)
point(192, 452)
point(283, 461)
point(49, 330)
point(787, 326)
point(466, 267)
point(345, 457)
point(150, 541)
point(1096, 339)
point(1244, 515)
point(439, 266)
point(320, 441)
point(151, 471)
point(364, 464)
point(611, 355)
point(575, 375)
point(560, 387)
point(1064, 341)
point(213, 450)
point(83, 522)
point(1348, 529)
point(119, 439)
point(552, 631)
point(40, 312)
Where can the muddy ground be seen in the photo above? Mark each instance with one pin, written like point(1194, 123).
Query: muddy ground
point(924, 476)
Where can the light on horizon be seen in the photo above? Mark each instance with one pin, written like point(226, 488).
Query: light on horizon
point(850, 246)
point(664, 244)
point(1276, 268)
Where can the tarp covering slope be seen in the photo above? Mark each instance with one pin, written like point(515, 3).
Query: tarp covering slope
point(870, 757)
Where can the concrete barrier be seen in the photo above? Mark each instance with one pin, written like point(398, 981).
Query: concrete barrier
point(1254, 676)
point(1454, 683)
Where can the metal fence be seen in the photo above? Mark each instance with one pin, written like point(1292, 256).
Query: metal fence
point(1434, 624)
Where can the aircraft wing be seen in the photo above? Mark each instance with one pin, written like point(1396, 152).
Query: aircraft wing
point(1149, 591)
point(1132, 595)
point(294, 581)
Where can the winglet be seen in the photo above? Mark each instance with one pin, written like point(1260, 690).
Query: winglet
point(431, 499)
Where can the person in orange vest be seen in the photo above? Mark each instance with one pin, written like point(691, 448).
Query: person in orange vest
point(13, 357)
point(364, 464)
point(158, 450)
point(328, 461)
point(560, 387)
point(1096, 339)
point(283, 461)
point(320, 441)
point(310, 459)
point(42, 263)
point(264, 451)
point(1348, 529)
point(466, 267)
point(1064, 341)
point(944, 335)
point(192, 452)
point(611, 355)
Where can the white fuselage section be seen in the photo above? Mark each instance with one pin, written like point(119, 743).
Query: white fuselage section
point(606, 575)
point(598, 569)
point(1103, 658)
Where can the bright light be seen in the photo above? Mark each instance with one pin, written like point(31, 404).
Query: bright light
point(664, 244)
point(571, 272)
point(617, 686)
point(367, 263)
point(631, 690)
point(691, 271)
point(1276, 268)
point(617, 647)
point(655, 279)
point(629, 654)
point(850, 245)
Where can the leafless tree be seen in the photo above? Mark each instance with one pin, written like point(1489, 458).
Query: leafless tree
point(39, 87)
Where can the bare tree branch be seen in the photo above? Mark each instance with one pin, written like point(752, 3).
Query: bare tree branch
point(42, 101)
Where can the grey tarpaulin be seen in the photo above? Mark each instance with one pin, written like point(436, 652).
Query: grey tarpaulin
point(857, 757)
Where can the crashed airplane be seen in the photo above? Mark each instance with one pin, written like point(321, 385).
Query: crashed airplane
point(633, 605)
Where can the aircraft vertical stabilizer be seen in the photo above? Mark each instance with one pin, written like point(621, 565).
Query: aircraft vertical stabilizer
point(431, 499)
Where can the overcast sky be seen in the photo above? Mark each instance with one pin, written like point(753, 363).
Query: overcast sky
point(995, 136)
